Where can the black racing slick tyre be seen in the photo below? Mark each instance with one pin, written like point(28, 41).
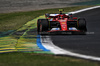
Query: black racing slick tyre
point(82, 24)
point(42, 25)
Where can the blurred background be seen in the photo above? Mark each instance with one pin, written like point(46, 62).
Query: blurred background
point(28, 5)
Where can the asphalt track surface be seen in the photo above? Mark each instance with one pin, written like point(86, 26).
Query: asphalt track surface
point(88, 44)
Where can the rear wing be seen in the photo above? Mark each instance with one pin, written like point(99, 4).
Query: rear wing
point(53, 15)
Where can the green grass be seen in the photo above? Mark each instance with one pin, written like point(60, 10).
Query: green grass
point(13, 21)
point(30, 59)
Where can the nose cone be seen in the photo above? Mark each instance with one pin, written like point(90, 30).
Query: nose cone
point(63, 24)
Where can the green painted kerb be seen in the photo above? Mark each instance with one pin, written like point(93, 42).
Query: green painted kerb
point(26, 42)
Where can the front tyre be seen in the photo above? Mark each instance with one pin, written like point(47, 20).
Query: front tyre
point(42, 25)
point(82, 24)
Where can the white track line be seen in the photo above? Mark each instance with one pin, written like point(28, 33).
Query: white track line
point(47, 43)
point(82, 10)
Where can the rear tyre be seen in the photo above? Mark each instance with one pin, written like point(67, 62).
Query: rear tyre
point(82, 24)
point(42, 25)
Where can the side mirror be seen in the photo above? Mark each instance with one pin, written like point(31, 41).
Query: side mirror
point(47, 15)
point(70, 14)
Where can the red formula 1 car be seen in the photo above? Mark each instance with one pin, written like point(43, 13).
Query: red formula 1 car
point(61, 24)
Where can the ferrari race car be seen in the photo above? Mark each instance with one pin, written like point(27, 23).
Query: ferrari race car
point(61, 24)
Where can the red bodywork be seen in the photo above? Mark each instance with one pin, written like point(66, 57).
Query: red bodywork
point(63, 19)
